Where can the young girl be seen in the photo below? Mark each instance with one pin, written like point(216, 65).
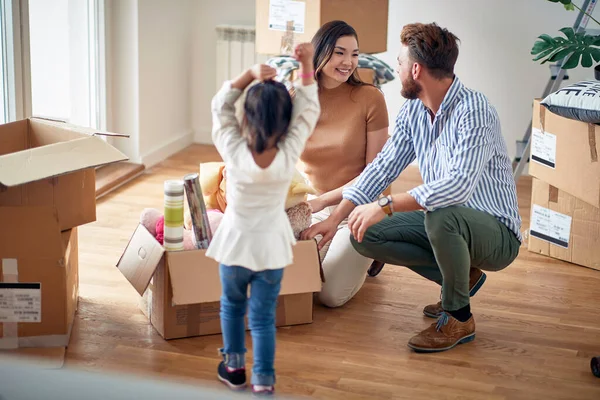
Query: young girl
point(254, 241)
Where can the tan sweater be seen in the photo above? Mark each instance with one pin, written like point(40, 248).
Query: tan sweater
point(335, 153)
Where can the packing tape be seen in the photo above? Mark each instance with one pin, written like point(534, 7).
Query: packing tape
point(287, 39)
point(10, 335)
point(542, 117)
point(552, 194)
point(592, 140)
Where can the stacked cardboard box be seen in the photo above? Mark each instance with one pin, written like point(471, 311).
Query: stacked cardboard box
point(296, 21)
point(181, 289)
point(565, 203)
point(47, 190)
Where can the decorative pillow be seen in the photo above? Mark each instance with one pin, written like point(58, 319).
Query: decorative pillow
point(286, 64)
point(580, 101)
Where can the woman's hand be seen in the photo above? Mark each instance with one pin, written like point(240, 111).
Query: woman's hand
point(263, 72)
point(304, 53)
point(326, 229)
point(317, 204)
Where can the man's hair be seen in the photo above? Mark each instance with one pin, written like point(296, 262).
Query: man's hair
point(431, 46)
point(268, 111)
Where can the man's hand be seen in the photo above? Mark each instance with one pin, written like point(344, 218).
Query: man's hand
point(362, 217)
point(326, 228)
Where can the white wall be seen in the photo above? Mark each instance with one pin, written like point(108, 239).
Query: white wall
point(122, 69)
point(207, 15)
point(496, 38)
point(165, 58)
point(150, 74)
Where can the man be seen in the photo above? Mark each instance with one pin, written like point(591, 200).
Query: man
point(465, 217)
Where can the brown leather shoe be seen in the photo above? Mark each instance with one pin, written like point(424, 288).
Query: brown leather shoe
point(443, 335)
point(476, 279)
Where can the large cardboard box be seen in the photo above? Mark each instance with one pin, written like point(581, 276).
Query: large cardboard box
point(563, 226)
point(53, 163)
point(39, 281)
point(564, 153)
point(181, 290)
point(368, 17)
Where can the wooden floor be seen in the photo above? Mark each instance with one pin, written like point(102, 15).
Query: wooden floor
point(538, 323)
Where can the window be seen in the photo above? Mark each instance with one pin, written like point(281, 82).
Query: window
point(66, 53)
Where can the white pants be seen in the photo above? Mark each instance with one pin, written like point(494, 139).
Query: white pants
point(344, 268)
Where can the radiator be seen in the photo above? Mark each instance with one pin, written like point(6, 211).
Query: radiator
point(235, 51)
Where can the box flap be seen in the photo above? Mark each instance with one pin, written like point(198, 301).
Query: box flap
point(195, 277)
point(140, 259)
point(76, 128)
point(30, 232)
point(304, 275)
point(56, 159)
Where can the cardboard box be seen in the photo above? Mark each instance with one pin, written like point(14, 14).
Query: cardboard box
point(368, 17)
point(564, 153)
point(39, 282)
point(53, 163)
point(563, 226)
point(181, 290)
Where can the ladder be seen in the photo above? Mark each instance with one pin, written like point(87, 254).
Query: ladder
point(552, 86)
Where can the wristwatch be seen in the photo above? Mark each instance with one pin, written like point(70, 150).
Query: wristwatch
point(386, 204)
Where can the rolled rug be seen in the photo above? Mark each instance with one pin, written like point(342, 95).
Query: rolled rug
point(200, 224)
point(173, 239)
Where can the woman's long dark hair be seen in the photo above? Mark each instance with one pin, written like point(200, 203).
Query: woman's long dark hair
point(324, 44)
point(268, 111)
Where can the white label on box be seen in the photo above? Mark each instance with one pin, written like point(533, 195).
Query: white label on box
point(550, 226)
point(282, 11)
point(20, 302)
point(543, 148)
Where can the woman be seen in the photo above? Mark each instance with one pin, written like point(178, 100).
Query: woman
point(352, 129)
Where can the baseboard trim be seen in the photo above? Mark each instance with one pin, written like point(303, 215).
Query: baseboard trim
point(162, 153)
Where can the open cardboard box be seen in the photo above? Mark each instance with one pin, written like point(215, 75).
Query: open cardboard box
point(181, 290)
point(39, 282)
point(52, 163)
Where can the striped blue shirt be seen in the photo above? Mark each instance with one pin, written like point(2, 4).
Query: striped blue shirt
point(461, 154)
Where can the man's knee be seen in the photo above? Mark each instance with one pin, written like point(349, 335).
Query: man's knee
point(367, 245)
point(440, 222)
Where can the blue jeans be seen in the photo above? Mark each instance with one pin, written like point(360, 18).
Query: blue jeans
point(264, 286)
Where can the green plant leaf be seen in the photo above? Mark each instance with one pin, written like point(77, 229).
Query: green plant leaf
point(573, 48)
point(569, 33)
point(586, 59)
point(559, 55)
point(546, 38)
point(540, 46)
point(569, 7)
point(573, 60)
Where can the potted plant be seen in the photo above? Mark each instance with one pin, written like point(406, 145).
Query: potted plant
point(575, 48)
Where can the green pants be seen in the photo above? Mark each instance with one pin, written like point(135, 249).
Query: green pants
point(442, 246)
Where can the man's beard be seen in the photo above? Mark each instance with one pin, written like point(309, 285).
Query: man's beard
point(410, 89)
